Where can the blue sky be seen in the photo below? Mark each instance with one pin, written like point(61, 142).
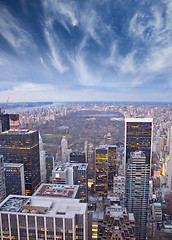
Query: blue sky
point(85, 50)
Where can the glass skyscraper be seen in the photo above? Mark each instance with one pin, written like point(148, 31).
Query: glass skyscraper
point(138, 146)
point(22, 146)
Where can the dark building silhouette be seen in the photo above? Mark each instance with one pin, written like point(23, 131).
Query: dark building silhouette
point(4, 122)
point(77, 157)
point(22, 146)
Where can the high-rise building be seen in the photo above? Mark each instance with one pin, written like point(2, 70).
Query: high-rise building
point(42, 160)
point(49, 167)
point(105, 169)
point(14, 178)
point(72, 174)
point(45, 218)
point(22, 146)
point(64, 149)
point(138, 137)
point(77, 157)
point(169, 164)
point(2, 179)
point(4, 122)
point(137, 190)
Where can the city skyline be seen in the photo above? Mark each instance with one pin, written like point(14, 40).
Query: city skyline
point(85, 51)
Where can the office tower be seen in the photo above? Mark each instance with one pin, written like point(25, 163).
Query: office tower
point(111, 166)
point(101, 179)
point(64, 149)
point(86, 150)
point(45, 218)
point(137, 190)
point(14, 121)
point(4, 122)
point(169, 164)
point(77, 157)
point(49, 167)
point(14, 178)
point(2, 179)
point(72, 174)
point(105, 169)
point(22, 146)
point(91, 161)
point(138, 137)
point(42, 160)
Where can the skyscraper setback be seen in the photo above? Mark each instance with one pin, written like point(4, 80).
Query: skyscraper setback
point(22, 146)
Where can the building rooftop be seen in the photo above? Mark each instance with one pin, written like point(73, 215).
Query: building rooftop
point(18, 132)
point(49, 206)
point(57, 190)
point(139, 119)
point(63, 166)
point(13, 165)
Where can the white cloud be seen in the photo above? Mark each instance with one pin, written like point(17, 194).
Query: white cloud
point(12, 30)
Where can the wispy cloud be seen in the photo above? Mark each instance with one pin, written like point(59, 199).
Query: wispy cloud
point(12, 31)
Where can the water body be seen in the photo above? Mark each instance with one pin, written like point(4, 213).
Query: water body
point(26, 109)
point(101, 115)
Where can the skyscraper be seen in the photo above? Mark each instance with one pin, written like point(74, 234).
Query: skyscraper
point(4, 122)
point(64, 149)
point(138, 137)
point(2, 179)
point(105, 169)
point(137, 191)
point(22, 146)
point(77, 157)
point(14, 178)
point(42, 160)
point(137, 163)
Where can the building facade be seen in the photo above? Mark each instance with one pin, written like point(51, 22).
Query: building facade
point(14, 178)
point(137, 191)
point(35, 218)
point(22, 146)
point(2, 179)
point(138, 137)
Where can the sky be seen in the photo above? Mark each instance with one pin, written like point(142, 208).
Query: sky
point(86, 50)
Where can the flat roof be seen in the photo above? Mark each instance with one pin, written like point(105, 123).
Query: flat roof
point(57, 190)
point(18, 131)
point(49, 206)
point(138, 119)
point(64, 165)
point(13, 165)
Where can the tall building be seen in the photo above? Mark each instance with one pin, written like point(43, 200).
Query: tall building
point(105, 169)
point(45, 218)
point(42, 160)
point(72, 174)
point(49, 167)
point(14, 178)
point(137, 190)
point(169, 164)
point(22, 146)
point(138, 137)
point(4, 122)
point(77, 157)
point(2, 179)
point(64, 149)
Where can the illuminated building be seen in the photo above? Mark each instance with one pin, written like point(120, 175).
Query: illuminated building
point(45, 218)
point(14, 178)
point(22, 146)
point(138, 137)
point(137, 190)
point(49, 167)
point(72, 174)
point(2, 179)
point(105, 169)
point(169, 163)
point(111, 166)
point(77, 157)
